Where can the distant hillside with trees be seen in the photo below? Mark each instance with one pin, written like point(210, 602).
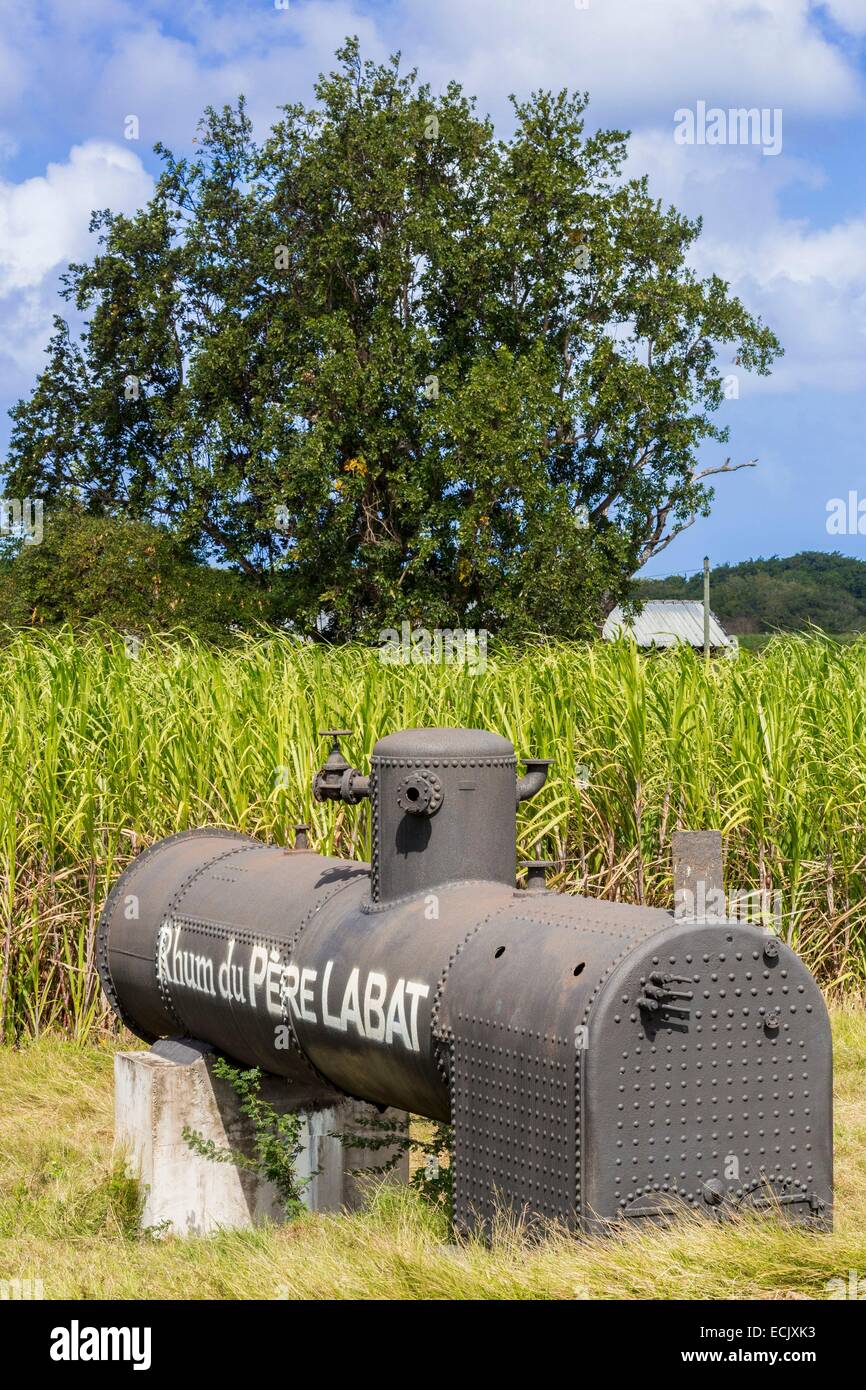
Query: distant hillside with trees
point(813, 587)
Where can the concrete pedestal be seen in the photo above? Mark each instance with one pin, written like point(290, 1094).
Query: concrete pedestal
point(158, 1094)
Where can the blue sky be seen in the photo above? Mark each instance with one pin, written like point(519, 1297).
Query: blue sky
point(788, 230)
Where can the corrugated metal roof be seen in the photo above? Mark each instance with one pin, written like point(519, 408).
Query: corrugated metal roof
point(665, 621)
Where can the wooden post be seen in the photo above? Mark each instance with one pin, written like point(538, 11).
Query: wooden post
point(699, 891)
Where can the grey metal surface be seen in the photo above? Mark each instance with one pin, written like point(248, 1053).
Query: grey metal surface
point(182, 1051)
point(514, 1010)
point(663, 622)
point(471, 831)
point(730, 1090)
point(598, 1060)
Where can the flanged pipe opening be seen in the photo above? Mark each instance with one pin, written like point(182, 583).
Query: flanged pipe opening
point(420, 794)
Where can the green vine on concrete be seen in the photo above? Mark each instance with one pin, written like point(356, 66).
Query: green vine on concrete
point(277, 1139)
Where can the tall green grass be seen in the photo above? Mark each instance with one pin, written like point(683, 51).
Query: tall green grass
point(104, 751)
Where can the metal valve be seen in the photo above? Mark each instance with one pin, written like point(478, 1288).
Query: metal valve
point(337, 781)
point(656, 995)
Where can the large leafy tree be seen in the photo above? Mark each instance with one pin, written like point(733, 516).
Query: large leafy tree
point(392, 367)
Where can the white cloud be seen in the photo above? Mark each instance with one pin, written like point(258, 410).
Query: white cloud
point(638, 58)
point(808, 284)
point(849, 14)
point(43, 226)
point(271, 56)
point(44, 220)
point(811, 287)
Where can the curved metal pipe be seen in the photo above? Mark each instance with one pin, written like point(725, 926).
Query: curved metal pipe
point(536, 776)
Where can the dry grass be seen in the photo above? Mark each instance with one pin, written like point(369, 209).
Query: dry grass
point(68, 1218)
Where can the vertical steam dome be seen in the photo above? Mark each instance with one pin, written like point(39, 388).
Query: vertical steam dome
point(444, 810)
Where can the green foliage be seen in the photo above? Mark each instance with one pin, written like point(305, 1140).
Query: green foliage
point(390, 367)
point(812, 588)
point(276, 1138)
point(131, 574)
point(109, 1202)
point(277, 1144)
point(429, 1145)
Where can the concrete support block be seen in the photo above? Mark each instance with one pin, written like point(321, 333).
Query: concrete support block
point(158, 1094)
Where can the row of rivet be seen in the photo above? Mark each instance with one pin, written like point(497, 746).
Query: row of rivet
point(443, 762)
point(171, 914)
point(121, 887)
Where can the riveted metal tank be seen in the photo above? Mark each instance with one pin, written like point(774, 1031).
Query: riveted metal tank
point(598, 1060)
point(444, 806)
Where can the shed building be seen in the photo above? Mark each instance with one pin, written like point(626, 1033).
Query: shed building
point(663, 622)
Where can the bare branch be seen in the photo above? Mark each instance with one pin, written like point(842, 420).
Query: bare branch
point(726, 467)
point(655, 547)
point(657, 541)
